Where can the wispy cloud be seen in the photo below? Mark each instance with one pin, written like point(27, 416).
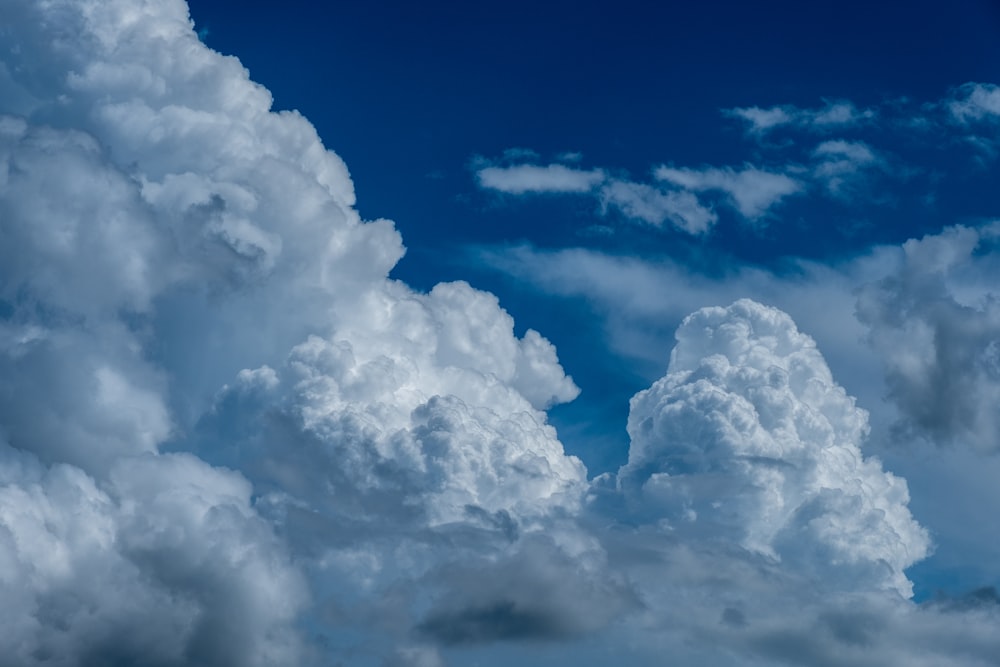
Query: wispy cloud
point(752, 191)
point(839, 164)
point(655, 206)
point(672, 197)
point(975, 102)
point(833, 116)
point(535, 179)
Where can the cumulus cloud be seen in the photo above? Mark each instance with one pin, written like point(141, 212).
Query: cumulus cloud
point(229, 439)
point(164, 233)
point(165, 563)
point(415, 410)
point(747, 438)
point(936, 322)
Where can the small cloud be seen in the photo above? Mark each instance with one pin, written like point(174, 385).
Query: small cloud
point(834, 115)
point(761, 120)
point(530, 178)
point(838, 113)
point(752, 191)
point(975, 102)
point(857, 152)
point(839, 162)
point(654, 206)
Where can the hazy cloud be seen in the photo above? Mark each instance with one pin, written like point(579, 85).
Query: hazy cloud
point(752, 191)
point(834, 115)
point(529, 178)
point(655, 206)
point(975, 102)
point(841, 164)
point(936, 322)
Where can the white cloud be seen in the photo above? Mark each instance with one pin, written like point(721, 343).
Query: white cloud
point(163, 230)
point(842, 164)
point(415, 401)
point(748, 439)
point(762, 120)
point(834, 115)
point(974, 102)
point(654, 206)
point(857, 152)
point(529, 178)
point(752, 191)
point(183, 269)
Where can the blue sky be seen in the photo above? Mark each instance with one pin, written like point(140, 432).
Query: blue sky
point(444, 334)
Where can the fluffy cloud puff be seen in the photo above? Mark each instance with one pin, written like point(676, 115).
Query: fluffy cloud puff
point(419, 400)
point(748, 439)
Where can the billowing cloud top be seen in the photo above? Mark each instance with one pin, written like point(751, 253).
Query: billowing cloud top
point(748, 438)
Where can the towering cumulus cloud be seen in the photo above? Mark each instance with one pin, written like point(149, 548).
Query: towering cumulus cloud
point(166, 241)
point(748, 439)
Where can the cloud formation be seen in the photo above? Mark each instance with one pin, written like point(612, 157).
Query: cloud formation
point(833, 116)
point(837, 153)
point(228, 438)
point(752, 191)
point(975, 102)
point(672, 197)
point(935, 321)
point(552, 178)
point(655, 207)
point(747, 438)
point(164, 561)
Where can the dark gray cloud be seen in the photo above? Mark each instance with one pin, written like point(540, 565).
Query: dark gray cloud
point(936, 322)
point(541, 591)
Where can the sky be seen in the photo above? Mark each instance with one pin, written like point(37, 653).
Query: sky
point(422, 335)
